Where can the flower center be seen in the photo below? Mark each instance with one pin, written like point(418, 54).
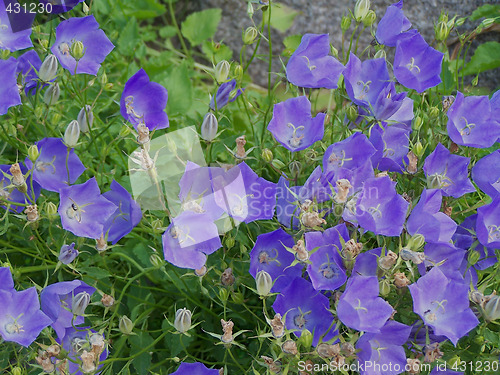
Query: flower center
point(129, 101)
point(493, 232)
point(41, 166)
point(329, 269)
point(14, 327)
point(359, 307)
point(438, 181)
point(311, 67)
point(375, 211)
point(467, 127)
point(300, 320)
point(365, 87)
point(74, 211)
point(295, 140)
point(265, 257)
point(64, 48)
point(411, 65)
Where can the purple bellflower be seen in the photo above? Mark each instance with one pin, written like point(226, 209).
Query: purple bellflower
point(83, 209)
point(386, 104)
point(471, 121)
point(443, 255)
point(326, 269)
point(392, 145)
point(225, 94)
point(403, 117)
point(19, 38)
point(189, 239)
point(28, 64)
point(6, 281)
point(361, 308)
point(486, 174)
point(383, 350)
point(311, 65)
point(21, 319)
point(488, 224)
point(293, 126)
point(96, 45)
point(196, 368)
point(57, 301)
point(50, 167)
point(305, 308)
point(448, 172)
point(143, 101)
point(317, 187)
point(393, 26)
point(443, 304)
point(367, 263)
point(9, 92)
point(127, 215)
point(11, 193)
point(416, 64)
point(68, 253)
point(427, 220)
point(269, 254)
point(288, 204)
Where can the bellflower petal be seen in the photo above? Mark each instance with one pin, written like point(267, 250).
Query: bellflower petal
point(28, 64)
point(15, 30)
point(196, 368)
point(488, 224)
point(9, 92)
point(486, 174)
point(393, 26)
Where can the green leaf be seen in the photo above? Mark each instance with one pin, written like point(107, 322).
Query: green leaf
point(487, 10)
point(143, 361)
point(180, 90)
point(282, 17)
point(291, 43)
point(142, 9)
point(216, 52)
point(129, 38)
point(486, 57)
point(201, 26)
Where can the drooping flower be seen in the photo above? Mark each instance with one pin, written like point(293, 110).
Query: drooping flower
point(305, 308)
point(416, 64)
point(427, 219)
point(96, 45)
point(6, 281)
point(225, 94)
point(143, 101)
point(28, 64)
point(21, 319)
point(127, 215)
point(15, 28)
point(312, 66)
point(68, 253)
point(393, 26)
point(50, 168)
point(269, 254)
point(488, 224)
point(326, 269)
point(57, 301)
point(471, 121)
point(392, 145)
point(288, 204)
point(189, 239)
point(293, 126)
point(83, 209)
point(12, 193)
point(9, 92)
point(383, 350)
point(448, 172)
point(361, 308)
point(486, 174)
point(196, 368)
point(443, 304)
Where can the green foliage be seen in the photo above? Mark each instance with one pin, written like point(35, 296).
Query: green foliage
point(200, 26)
point(486, 57)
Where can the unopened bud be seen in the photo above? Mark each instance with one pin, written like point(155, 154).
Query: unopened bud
point(221, 71)
point(250, 10)
point(103, 79)
point(51, 94)
point(295, 167)
point(441, 31)
point(68, 253)
point(51, 210)
point(361, 9)
point(182, 322)
point(48, 70)
point(475, 81)
point(85, 118)
point(229, 242)
point(461, 21)
point(380, 54)
point(267, 155)
point(473, 257)
point(264, 283)
point(417, 124)
point(156, 260)
point(238, 72)
point(492, 309)
point(72, 134)
point(33, 153)
point(369, 18)
point(107, 300)
point(384, 287)
point(209, 127)
point(306, 339)
point(77, 50)
point(352, 113)
point(250, 35)
point(80, 303)
point(126, 326)
point(416, 242)
point(434, 112)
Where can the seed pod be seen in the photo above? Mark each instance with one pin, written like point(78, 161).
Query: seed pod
point(107, 300)
point(48, 70)
point(182, 322)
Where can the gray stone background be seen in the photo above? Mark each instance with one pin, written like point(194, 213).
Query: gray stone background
point(324, 16)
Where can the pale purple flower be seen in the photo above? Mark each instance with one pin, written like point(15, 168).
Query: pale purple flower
point(392, 145)
point(9, 92)
point(196, 368)
point(443, 255)
point(225, 94)
point(488, 224)
point(386, 104)
point(288, 204)
point(143, 101)
point(95, 43)
point(312, 66)
point(293, 126)
point(367, 263)
point(15, 31)
point(318, 187)
point(486, 174)
point(6, 281)
point(68, 253)
point(28, 64)
point(393, 26)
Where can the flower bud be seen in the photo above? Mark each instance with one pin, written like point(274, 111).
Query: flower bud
point(416, 242)
point(229, 242)
point(51, 210)
point(48, 70)
point(4, 54)
point(473, 257)
point(384, 287)
point(68, 253)
point(352, 113)
point(182, 321)
point(156, 260)
point(278, 164)
point(80, 303)
point(267, 155)
point(238, 72)
point(72, 134)
point(380, 54)
point(250, 10)
point(460, 21)
point(475, 81)
point(295, 167)
point(126, 326)
point(33, 153)
point(417, 124)
point(51, 94)
point(434, 112)
point(103, 79)
point(250, 35)
point(84, 115)
point(209, 127)
point(369, 18)
point(264, 283)
point(441, 31)
point(492, 309)
point(221, 71)
point(361, 9)
point(77, 50)
point(306, 339)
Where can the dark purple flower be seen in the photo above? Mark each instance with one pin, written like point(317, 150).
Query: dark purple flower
point(365, 80)
point(488, 224)
point(326, 269)
point(317, 187)
point(15, 30)
point(448, 172)
point(83, 209)
point(144, 102)
point(305, 308)
point(312, 66)
point(471, 121)
point(443, 304)
point(392, 145)
point(361, 308)
point(57, 300)
point(28, 64)
point(386, 104)
point(293, 126)
point(416, 64)
point(127, 215)
point(427, 219)
point(393, 26)
point(21, 319)
point(95, 43)
point(288, 205)
point(486, 174)
point(12, 194)
point(189, 239)
point(9, 92)
point(68, 253)
point(50, 167)
point(6, 281)
point(196, 368)
point(225, 94)
point(383, 353)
